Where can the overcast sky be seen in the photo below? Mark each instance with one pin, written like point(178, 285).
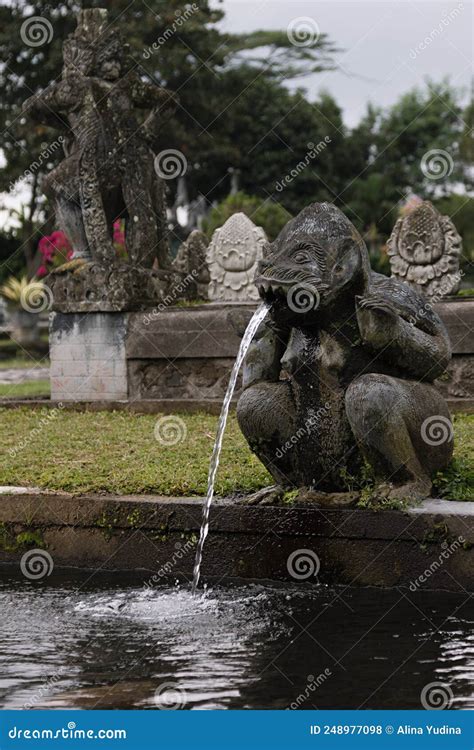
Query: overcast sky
point(391, 46)
point(381, 42)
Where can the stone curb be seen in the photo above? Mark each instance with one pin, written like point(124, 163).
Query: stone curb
point(430, 546)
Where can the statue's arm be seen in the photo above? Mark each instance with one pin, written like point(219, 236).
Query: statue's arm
point(264, 354)
point(44, 107)
point(149, 95)
point(424, 353)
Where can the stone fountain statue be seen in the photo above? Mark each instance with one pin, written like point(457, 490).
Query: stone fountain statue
point(108, 171)
point(342, 372)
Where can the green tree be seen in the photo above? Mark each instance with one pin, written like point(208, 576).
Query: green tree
point(400, 151)
point(178, 45)
point(272, 217)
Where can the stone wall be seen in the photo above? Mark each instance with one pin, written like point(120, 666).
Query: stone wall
point(87, 354)
point(186, 353)
point(458, 316)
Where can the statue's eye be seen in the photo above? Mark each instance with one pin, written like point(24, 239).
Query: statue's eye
point(301, 257)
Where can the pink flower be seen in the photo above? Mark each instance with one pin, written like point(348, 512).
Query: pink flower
point(119, 236)
point(42, 271)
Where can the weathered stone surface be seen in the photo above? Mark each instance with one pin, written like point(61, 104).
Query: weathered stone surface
point(424, 250)
point(108, 169)
point(358, 352)
point(458, 380)
point(192, 332)
point(193, 378)
point(232, 257)
point(458, 317)
point(94, 287)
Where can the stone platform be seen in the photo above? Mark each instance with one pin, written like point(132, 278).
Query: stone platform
point(427, 547)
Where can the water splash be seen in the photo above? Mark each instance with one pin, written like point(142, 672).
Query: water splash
point(250, 332)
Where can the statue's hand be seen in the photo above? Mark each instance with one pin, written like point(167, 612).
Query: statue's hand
point(377, 319)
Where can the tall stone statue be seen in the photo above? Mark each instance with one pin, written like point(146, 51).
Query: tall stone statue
point(232, 257)
point(424, 250)
point(108, 169)
point(341, 374)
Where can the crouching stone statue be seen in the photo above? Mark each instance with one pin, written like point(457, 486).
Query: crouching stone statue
point(340, 373)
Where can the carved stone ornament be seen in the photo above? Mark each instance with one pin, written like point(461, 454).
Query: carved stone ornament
point(424, 250)
point(232, 257)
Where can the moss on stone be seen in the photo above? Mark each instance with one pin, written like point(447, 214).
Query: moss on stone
point(13, 543)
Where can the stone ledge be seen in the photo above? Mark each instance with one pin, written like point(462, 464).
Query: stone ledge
point(153, 533)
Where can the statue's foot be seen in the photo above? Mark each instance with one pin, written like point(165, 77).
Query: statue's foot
point(267, 496)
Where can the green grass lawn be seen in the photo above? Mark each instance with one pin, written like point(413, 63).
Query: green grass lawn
point(31, 389)
point(118, 452)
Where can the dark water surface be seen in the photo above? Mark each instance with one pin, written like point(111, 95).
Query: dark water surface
point(109, 642)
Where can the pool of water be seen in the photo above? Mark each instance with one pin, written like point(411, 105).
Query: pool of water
point(110, 642)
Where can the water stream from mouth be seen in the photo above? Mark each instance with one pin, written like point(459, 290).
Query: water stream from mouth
point(250, 332)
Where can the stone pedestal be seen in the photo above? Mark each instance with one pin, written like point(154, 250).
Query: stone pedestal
point(88, 361)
